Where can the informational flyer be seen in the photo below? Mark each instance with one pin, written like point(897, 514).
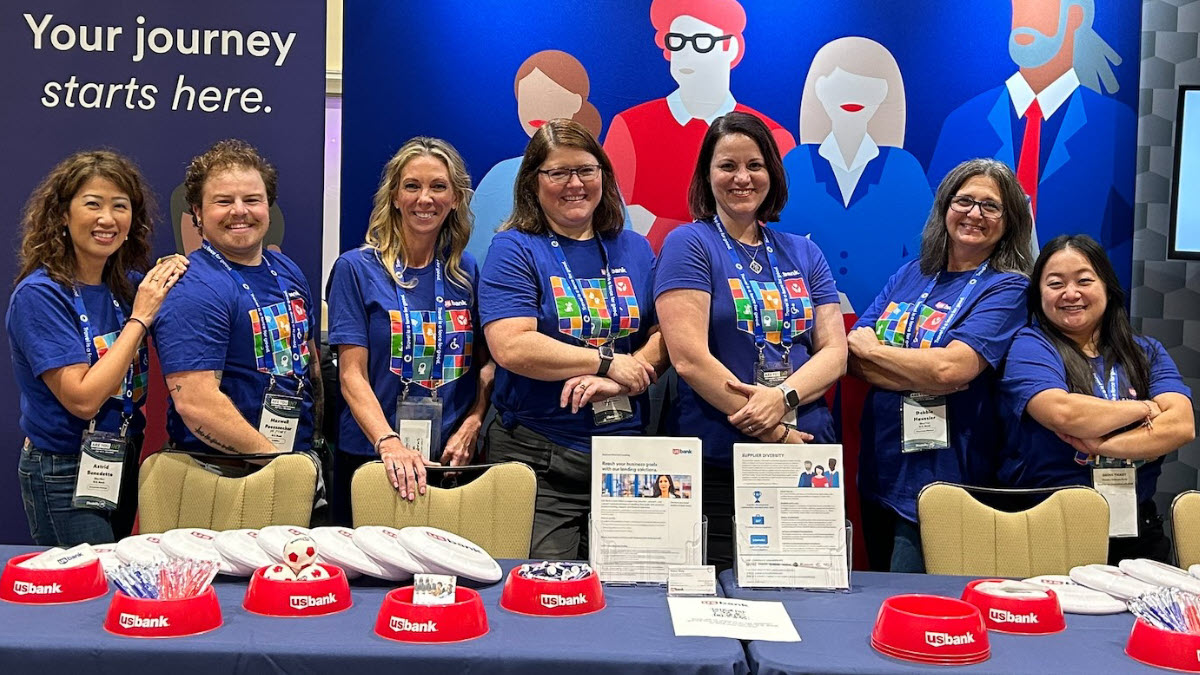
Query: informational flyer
point(727, 617)
point(646, 507)
point(790, 507)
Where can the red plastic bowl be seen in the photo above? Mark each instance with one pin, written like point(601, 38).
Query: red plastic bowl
point(142, 617)
point(1164, 648)
point(298, 598)
point(542, 597)
point(1025, 616)
point(49, 587)
point(400, 619)
point(931, 627)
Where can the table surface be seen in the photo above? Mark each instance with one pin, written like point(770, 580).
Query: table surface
point(835, 631)
point(632, 634)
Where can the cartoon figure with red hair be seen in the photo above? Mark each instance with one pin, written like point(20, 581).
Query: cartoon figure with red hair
point(654, 146)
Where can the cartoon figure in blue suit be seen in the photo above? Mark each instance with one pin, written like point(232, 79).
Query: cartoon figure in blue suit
point(1072, 146)
point(859, 195)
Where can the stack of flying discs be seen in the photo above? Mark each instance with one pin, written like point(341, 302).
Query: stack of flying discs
point(445, 553)
point(194, 543)
point(1110, 580)
point(1076, 599)
point(141, 548)
point(338, 548)
point(240, 549)
point(384, 546)
point(1160, 574)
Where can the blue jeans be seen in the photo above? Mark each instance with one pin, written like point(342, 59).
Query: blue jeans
point(893, 542)
point(47, 486)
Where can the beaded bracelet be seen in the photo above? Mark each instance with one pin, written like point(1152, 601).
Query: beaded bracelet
point(379, 442)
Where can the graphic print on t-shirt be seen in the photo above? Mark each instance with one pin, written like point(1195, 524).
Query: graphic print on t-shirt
point(892, 324)
point(278, 360)
point(599, 330)
point(456, 353)
point(141, 365)
point(772, 311)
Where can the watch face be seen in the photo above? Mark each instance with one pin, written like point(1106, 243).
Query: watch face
point(792, 398)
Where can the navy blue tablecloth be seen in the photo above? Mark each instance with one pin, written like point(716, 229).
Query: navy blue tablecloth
point(632, 634)
point(835, 631)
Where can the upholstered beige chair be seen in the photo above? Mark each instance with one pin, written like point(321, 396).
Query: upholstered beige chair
point(174, 490)
point(1185, 519)
point(495, 510)
point(960, 535)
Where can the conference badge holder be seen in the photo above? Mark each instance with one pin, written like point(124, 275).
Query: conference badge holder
point(612, 410)
point(419, 423)
point(1117, 483)
point(924, 423)
point(101, 461)
point(280, 417)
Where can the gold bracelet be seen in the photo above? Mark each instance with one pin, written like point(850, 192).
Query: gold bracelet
point(1149, 421)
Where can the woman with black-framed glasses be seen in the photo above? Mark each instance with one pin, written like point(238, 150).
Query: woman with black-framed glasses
point(929, 346)
point(564, 297)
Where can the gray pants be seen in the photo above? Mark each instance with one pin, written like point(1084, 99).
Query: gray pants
point(564, 476)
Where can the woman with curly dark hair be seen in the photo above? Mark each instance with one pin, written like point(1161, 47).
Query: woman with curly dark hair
point(76, 325)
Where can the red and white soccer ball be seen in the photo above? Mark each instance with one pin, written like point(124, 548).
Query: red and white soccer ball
point(279, 573)
point(312, 573)
point(299, 553)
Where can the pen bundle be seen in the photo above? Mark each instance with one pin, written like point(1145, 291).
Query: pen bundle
point(1169, 609)
point(555, 571)
point(165, 580)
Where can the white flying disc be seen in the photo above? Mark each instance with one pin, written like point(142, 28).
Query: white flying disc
point(1194, 570)
point(383, 545)
point(108, 556)
point(1076, 599)
point(1111, 580)
point(338, 548)
point(448, 553)
point(195, 543)
point(1017, 590)
point(273, 538)
point(240, 549)
point(1160, 574)
point(141, 548)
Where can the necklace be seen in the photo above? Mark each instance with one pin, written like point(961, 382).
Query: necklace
point(755, 266)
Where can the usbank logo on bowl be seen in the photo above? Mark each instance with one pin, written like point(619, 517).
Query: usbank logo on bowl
point(306, 601)
point(135, 621)
point(550, 601)
point(472, 549)
point(945, 639)
point(1005, 616)
point(26, 588)
point(400, 624)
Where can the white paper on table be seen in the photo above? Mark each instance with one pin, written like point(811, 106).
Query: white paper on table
point(791, 520)
point(646, 507)
point(730, 618)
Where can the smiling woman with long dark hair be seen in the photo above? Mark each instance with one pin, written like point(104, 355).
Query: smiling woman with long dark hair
point(1082, 391)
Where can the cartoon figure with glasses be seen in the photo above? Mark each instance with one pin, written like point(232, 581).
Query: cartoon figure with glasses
point(653, 146)
point(1072, 147)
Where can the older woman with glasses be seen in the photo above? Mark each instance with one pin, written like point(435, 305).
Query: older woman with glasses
point(929, 347)
point(565, 303)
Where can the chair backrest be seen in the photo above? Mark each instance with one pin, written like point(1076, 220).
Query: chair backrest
point(960, 535)
point(495, 510)
point(174, 490)
point(1185, 519)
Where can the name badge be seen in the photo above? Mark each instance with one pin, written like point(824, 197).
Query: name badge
point(610, 410)
point(280, 419)
point(771, 373)
point(924, 423)
point(419, 423)
point(1119, 488)
point(101, 460)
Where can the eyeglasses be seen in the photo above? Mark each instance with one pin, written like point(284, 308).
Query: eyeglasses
point(703, 43)
point(990, 209)
point(587, 173)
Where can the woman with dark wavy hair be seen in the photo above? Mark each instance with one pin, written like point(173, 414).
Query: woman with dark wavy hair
point(76, 324)
point(929, 346)
point(1082, 393)
point(565, 301)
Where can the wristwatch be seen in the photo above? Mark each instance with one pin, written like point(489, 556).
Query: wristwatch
point(791, 397)
point(606, 359)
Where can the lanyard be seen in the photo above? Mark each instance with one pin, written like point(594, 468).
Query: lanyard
point(757, 302)
point(1111, 392)
point(93, 357)
point(910, 329)
point(410, 330)
point(591, 328)
point(268, 349)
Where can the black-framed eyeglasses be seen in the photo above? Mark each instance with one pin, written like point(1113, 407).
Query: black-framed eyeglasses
point(587, 173)
point(703, 43)
point(990, 209)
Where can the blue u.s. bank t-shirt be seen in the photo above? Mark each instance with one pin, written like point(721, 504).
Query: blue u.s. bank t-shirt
point(523, 278)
